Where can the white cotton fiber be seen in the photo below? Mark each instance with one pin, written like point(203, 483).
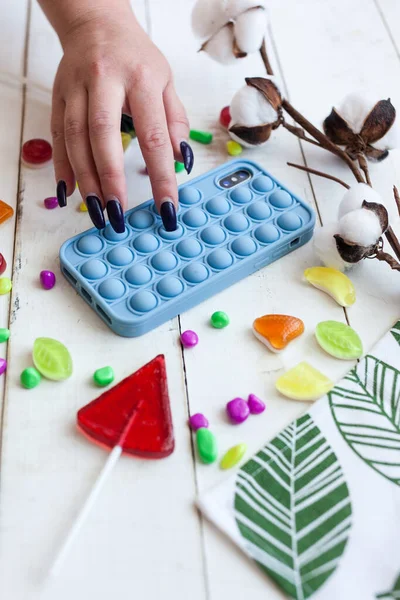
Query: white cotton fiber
point(220, 46)
point(355, 196)
point(209, 16)
point(250, 29)
point(250, 108)
point(361, 227)
point(391, 139)
point(325, 247)
point(355, 108)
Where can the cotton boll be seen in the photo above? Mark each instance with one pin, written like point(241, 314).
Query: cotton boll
point(243, 142)
point(250, 29)
point(209, 16)
point(391, 139)
point(355, 196)
point(355, 108)
point(326, 249)
point(249, 108)
point(220, 46)
point(361, 227)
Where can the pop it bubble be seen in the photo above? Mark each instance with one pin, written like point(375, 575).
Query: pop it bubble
point(334, 283)
point(137, 280)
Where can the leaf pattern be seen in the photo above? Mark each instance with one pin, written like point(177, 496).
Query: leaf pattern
point(366, 408)
point(293, 509)
point(396, 332)
point(394, 593)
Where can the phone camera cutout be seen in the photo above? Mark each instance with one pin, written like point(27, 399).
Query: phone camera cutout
point(234, 178)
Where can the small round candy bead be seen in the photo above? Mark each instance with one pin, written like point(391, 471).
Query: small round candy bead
point(30, 378)
point(233, 148)
point(103, 376)
point(3, 365)
point(219, 319)
point(4, 335)
point(256, 405)
point(51, 202)
point(238, 410)
point(5, 285)
point(189, 339)
point(179, 167)
point(83, 207)
point(225, 117)
point(47, 279)
point(3, 264)
point(196, 421)
point(36, 152)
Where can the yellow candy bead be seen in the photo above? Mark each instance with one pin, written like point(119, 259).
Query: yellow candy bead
point(233, 456)
point(233, 148)
point(83, 207)
point(334, 283)
point(5, 285)
point(76, 186)
point(126, 140)
point(304, 383)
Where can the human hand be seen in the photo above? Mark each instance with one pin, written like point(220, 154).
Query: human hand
point(111, 66)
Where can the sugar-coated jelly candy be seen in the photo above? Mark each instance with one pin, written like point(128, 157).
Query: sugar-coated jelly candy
point(6, 211)
point(4, 334)
point(83, 207)
point(233, 456)
point(51, 202)
point(52, 359)
point(189, 339)
point(142, 401)
point(179, 167)
point(103, 376)
point(198, 420)
point(219, 319)
point(3, 264)
point(256, 405)
point(225, 117)
point(3, 365)
point(47, 279)
point(233, 148)
point(36, 152)
point(30, 378)
point(5, 285)
point(304, 383)
point(333, 282)
point(276, 331)
point(339, 340)
point(238, 410)
point(206, 445)
point(204, 137)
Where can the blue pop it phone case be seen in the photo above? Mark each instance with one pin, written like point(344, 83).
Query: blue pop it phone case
point(139, 279)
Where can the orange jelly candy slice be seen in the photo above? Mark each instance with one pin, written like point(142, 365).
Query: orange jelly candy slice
point(276, 331)
point(5, 211)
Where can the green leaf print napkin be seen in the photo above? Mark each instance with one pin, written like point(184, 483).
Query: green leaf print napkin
point(318, 508)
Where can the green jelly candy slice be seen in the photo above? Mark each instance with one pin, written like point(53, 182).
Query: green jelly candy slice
point(233, 456)
point(339, 340)
point(30, 378)
point(206, 445)
point(52, 359)
point(104, 376)
point(204, 137)
point(4, 335)
point(179, 167)
point(219, 319)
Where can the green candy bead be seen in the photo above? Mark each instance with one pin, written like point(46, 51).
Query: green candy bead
point(5, 285)
point(30, 378)
point(104, 376)
point(52, 359)
point(4, 335)
point(179, 167)
point(233, 456)
point(219, 319)
point(206, 445)
point(204, 137)
point(339, 340)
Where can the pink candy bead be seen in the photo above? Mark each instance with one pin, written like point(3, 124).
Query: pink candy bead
point(3, 365)
point(189, 339)
point(238, 410)
point(47, 279)
point(256, 405)
point(197, 421)
point(51, 202)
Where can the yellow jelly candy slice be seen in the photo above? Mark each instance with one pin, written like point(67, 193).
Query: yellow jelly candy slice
point(233, 456)
point(126, 140)
point(52, 359)
point(83, 207)
point(304, 383)
point(333, 282)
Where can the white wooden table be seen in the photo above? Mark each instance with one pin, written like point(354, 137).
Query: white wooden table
point(145, 539)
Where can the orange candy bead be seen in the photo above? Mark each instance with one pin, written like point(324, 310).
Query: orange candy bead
point(5, 211)
point(276, 331)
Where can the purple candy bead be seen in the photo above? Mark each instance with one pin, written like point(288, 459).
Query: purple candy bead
point(197, 421)
point(47, 279)
point(3, 365)
point(256, 405)
point(238, 410)
point(51, 202)
point(189, 339)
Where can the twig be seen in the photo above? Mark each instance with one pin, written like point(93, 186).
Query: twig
point(265, 59)
point(387, 258)
point(300, 133)
point(393, 241)
point(364, 167)
point(319, 173)
point(397, 197)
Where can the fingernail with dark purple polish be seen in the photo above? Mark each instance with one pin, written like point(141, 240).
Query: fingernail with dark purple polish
point(95, 211)
point(187, 155)
point(116, 215)
point(62, 193)
point(168, 215)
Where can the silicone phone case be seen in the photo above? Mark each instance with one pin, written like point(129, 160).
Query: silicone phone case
point(137, 280)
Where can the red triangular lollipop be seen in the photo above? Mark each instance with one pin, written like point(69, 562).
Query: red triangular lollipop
point(135, 414)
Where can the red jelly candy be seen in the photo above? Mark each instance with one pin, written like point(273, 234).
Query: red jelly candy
point(134, 414)
point(36, 153)
point(3, 264)
point(225, 117)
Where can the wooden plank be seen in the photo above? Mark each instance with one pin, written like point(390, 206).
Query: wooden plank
point(143, 535)
point(390, 14)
